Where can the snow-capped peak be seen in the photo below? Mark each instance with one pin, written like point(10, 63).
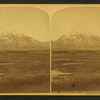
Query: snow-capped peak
point(17, 40)
point(77, 40)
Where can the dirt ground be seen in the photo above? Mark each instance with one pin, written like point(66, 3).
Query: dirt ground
point(76, 71)
point(24, 72)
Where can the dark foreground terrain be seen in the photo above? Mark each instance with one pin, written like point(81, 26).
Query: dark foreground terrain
point(75, 71)
point(24, 71)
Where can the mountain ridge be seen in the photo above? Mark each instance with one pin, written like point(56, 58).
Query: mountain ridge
point(10, 40)
point(76, 41)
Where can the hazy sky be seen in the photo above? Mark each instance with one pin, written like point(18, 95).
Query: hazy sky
point(28, 20)
point(34, 19)
point(82, 19)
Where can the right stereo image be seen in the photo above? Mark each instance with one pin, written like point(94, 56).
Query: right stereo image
point(75, 49)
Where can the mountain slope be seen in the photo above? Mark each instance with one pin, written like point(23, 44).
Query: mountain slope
point(17, 41)
point(77, 41)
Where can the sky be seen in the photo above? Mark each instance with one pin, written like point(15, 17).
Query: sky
point(26, 20)
point(41, 21)
point(81, 19)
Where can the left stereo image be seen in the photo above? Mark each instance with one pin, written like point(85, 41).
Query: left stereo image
point(24, 50)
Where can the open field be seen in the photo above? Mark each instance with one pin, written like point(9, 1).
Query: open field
point(24, 71)
point(75, 71)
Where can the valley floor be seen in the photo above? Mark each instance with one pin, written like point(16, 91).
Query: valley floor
point(75, 71)
point(24, 72)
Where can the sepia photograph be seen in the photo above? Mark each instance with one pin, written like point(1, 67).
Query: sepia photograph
point(49, 49)
point(24, 50)
point(75, 53)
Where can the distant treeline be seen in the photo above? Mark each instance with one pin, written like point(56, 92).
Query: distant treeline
point(78, 51)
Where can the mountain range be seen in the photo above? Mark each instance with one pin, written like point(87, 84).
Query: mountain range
point(71, 41)
point(10, 40)
point(77, 41)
